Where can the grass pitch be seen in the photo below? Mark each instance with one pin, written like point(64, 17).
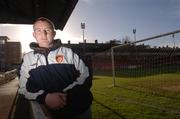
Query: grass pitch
point(150, 97)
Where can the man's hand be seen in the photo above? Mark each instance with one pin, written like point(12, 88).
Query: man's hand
point(55, 100)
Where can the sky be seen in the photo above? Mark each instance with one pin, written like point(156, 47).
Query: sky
point(106, 20)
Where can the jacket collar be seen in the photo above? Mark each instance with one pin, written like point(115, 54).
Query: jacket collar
point(45, 51)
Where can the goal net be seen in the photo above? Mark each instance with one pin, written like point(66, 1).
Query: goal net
point(151, 64)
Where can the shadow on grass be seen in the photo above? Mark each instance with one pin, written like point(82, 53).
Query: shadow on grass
point(110, 109)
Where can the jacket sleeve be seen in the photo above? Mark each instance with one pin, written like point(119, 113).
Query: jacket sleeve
point(26, 66)
point(74, 59)
point(79, 91)
point(84, 81)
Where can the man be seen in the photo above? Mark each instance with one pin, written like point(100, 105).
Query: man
point(42, 69)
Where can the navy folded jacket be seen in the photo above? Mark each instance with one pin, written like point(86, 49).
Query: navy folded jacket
point(54, 78)
point(51, 78)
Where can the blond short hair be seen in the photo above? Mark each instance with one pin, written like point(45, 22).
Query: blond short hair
point(46, 20)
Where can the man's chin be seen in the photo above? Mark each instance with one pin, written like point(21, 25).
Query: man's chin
point(46, 45)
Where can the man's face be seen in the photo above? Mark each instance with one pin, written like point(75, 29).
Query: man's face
point(43, 33)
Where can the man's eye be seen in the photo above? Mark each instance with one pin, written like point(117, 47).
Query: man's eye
point(43, 30)
point(38, 30)
point(48, 30)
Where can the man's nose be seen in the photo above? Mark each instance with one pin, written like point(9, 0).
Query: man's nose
point(44, 32)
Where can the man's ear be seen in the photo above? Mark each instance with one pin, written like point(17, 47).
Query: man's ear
point(54, 33)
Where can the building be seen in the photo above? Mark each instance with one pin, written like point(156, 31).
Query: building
point(3, 41)
point(10, 54)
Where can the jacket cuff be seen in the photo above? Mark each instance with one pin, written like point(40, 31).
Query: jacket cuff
point(41, 98)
